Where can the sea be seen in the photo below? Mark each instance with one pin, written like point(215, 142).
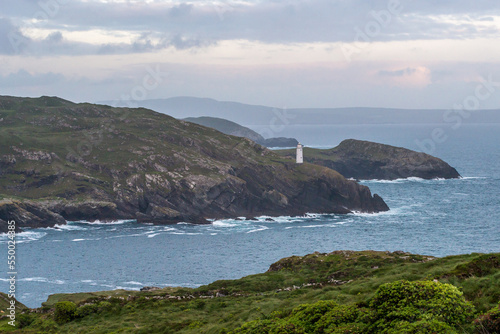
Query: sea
point(432, 217)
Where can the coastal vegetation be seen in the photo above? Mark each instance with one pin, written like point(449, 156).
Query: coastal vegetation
point(337, 292)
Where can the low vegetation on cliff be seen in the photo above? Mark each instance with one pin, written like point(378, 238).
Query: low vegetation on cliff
point(338, 292)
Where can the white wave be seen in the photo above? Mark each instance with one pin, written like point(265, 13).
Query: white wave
point(29, 236)
point(225, 223)
point(404, 180)
point(118, 287)
point(69, 227)
point(134, 283)
point(391, 212)
point(153, 235)
point(87, 281)
point(260, 228)
point(472, 177)
point(114, 222)
point(185, 233)
point(280, 219)
point(79, 239)
point(41, 280)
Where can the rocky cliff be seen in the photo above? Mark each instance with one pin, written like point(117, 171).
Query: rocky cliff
point(84, 161)
point(367, 160)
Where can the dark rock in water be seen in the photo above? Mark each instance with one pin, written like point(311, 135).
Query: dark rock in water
point(269, 220)
point(367, 161)
point(151, 167)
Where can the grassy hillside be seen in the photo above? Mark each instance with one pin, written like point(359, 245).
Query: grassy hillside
point(338, 292)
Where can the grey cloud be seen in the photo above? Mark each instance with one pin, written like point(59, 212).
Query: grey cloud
point(200, 24)
point(12, 41)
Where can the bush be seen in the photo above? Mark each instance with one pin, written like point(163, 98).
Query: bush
point(339, 315)
point(422, 326)
point(48, 326)
point(24, 320)
point(404, 301)
point(197, 304)
point(64, 312)
point(489, 322)
point(86, 310)
point(104, 307)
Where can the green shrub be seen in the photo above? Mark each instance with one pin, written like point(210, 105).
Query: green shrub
point(48, 326)
point(422, 326)
point(25, 319)
point(308, 315)
point(104, 307)
point(338, 315)
point(197, 304)
point(64, 312)
point(489, 322)
point(86, 310)
point(411, 302)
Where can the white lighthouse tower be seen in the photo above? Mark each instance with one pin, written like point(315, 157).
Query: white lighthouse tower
point(300, 154)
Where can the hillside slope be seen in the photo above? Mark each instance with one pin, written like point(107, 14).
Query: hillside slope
point(83, 161)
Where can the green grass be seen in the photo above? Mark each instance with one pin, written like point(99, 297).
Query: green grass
point(347, 278)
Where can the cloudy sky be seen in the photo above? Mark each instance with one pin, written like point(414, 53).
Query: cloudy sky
point(297, 53)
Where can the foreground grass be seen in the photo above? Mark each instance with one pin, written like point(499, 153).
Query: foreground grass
point(343, 278)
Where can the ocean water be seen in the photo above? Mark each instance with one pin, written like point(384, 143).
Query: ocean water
point(432, 217)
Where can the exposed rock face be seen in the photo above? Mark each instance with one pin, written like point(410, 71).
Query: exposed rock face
point(367, 160)
point(234, 129)
point(27, 214)
point(96, 162)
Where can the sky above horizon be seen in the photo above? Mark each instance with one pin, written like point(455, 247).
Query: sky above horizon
point(298, 53)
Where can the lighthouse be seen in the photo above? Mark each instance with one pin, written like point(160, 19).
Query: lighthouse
point(300, 154)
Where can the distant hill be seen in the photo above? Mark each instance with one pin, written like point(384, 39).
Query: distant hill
point(234, 129)
point(227, 127)
point(256, 115)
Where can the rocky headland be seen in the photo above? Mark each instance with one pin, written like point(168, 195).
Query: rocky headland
point(65, 161)
point(364, 160)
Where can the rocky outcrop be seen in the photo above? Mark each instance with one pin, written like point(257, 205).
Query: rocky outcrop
point(365, 160)
point(27, 214)
point(91, 162)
